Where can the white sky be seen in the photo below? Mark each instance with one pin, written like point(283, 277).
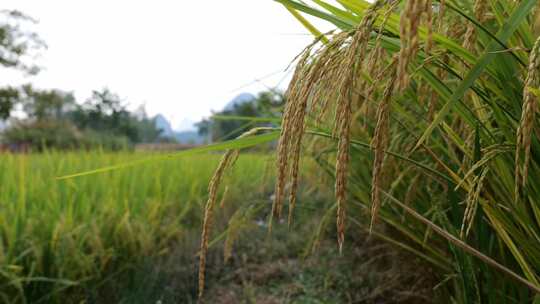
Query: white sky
point(181, 58)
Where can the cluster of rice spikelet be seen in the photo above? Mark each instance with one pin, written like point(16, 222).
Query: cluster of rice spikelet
point(442, 11)
point(410, 20)
point(347, 91)
point(480, 13)
point(332, 74)
point(375, 63)
point(227, 161)
point(536, 22)
point(473, 196)
point(526, 125)
point(379, 143)
point(294, 111)
point(307, 78)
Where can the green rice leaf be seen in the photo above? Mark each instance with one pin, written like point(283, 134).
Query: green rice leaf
point(239, 143)
point(518, 16)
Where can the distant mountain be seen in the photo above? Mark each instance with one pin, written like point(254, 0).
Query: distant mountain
point(238, 100)
point(189, 137)
point(186, 125)
point(165, 126)
point(183, 137)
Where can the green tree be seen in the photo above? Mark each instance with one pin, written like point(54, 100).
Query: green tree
point(9, 96)
point(46, 104)
point(104, 112)
point(16, 44)
point(265, 104)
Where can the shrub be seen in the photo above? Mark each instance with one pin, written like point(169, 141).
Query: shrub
point(60, 135)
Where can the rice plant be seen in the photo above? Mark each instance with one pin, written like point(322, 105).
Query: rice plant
point(424, 113)
point(63, 239)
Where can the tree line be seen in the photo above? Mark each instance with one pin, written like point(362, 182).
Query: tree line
point(45, 118)
point(51, 118)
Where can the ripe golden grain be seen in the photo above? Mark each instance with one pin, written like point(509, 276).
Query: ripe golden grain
point(348, 87)
point(374, 65)
point(409, 25)
point(224, 197)
point(473, 197)
point(332, 73)
point(480, 13)
point(227, 161)
point(380, 143)
point(285, 136)
point(208, 210)
point(342, 167)
point(536, 21)
point(297, 144)
point(308, 79)
point(442, 11)
point(428, 9)
point(528, 114)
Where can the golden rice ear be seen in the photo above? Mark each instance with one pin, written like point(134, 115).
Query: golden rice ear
point(473, 196)
point(342, 169)
point(480, 13)
point(526, 124)
point(536, 22)
point(284, 144)
point(429, 24)
point(301, 94)
point(208, 210)
point(347, 89)
point(226, 162)
point(296, 143)
point(380, 144)
point(424, 89)
point(224, 197)
point(305, 91)
point(374, 65)
point(409, 26)
point(440, 15)
point(294, 170)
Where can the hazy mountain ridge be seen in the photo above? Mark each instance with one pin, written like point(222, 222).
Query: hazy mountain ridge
point(183, 137)
point(239, 100)
point(192, 136)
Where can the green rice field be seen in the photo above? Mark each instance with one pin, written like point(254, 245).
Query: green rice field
point(59, 236)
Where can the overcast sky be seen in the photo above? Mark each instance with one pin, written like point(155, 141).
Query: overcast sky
point(181, 58)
